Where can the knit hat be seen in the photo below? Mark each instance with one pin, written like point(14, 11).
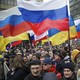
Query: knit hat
point(35, 62)
point(47, 61)
point(69, 65)
point(74, 54)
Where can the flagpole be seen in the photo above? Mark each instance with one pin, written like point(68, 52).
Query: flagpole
point(50, 46)
point(31, 50)
point(69, 41)
point(69, 28)
point(49, 43)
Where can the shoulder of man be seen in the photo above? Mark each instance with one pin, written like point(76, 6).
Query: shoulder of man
point(50, 75)
point(29, 77)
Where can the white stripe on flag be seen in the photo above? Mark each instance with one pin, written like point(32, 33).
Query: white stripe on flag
point(50, 5)
point(41, 36)
point(77, 22)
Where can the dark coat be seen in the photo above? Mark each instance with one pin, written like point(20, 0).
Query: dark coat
point(31, 77)
point(50, 76)
point(18, 74)
point(72, 78)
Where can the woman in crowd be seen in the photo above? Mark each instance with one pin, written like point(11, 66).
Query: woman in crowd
point(18, 70)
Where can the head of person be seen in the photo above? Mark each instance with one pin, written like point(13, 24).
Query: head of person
point(58, 56)
point(18, 62)
point(75, 55)
point(68, 70)
point(47, 64)
point(25, 58)
point(35, 67)
point(42, 58)
point(19, 54)
point(6, 57)
point(30, 56)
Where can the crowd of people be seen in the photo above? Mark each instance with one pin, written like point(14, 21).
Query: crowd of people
point(42, 63)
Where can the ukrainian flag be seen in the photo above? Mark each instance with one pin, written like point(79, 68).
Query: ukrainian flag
point(7, 40)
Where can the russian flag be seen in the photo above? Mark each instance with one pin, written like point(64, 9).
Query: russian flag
point(13, 25)
point(12, 22)
point(34, 38)
point(42, 16)
point(77, 23)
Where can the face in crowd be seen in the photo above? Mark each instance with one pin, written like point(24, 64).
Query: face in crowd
point(67, 73)
point(35, 70)
point(46, 66)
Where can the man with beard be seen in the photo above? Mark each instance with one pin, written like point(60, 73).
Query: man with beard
point(35, 68)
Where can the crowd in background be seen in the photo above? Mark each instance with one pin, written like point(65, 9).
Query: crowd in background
point(41, 63)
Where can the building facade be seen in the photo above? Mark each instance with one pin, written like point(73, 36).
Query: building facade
point(75, 8)
point(5, 4)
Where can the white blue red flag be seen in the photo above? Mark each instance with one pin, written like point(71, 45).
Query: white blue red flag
point(42, 16)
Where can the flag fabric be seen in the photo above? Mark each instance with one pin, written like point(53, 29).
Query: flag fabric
point(4, 41)
point(15, 43)
point(8, 12)
point(13, 25)
point(42, 16)
point(34, 38)
point(77, 24)
point(58, 37)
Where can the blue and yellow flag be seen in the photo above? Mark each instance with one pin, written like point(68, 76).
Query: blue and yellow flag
point(7, 40)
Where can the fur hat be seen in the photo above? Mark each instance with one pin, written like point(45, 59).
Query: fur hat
point(74, 54)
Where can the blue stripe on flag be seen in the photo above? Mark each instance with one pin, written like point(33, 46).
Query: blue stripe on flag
point(39, 16)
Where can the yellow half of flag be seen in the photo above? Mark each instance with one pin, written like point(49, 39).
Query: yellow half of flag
point(62, 36)
point(7, 40)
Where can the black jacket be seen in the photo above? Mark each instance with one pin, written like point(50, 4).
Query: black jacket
point(72, 78)
point(18, 74)
point(31, 77)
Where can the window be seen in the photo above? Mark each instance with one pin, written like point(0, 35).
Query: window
point(7, 3)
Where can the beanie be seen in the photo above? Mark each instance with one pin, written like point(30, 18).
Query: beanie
point(47, 61)
point(74, 54)
point(35, 62)
point(69, 65)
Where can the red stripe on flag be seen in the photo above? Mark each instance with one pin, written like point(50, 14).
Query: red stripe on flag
point(10, 30)
point(39, 28)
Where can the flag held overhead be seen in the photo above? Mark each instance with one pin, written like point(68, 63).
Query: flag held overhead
point(43, 16)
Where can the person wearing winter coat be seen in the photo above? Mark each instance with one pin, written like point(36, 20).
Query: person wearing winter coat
point(35, 70)
point(50, 76)
point(48, 67)
point(68, 72)
point(18, 70)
